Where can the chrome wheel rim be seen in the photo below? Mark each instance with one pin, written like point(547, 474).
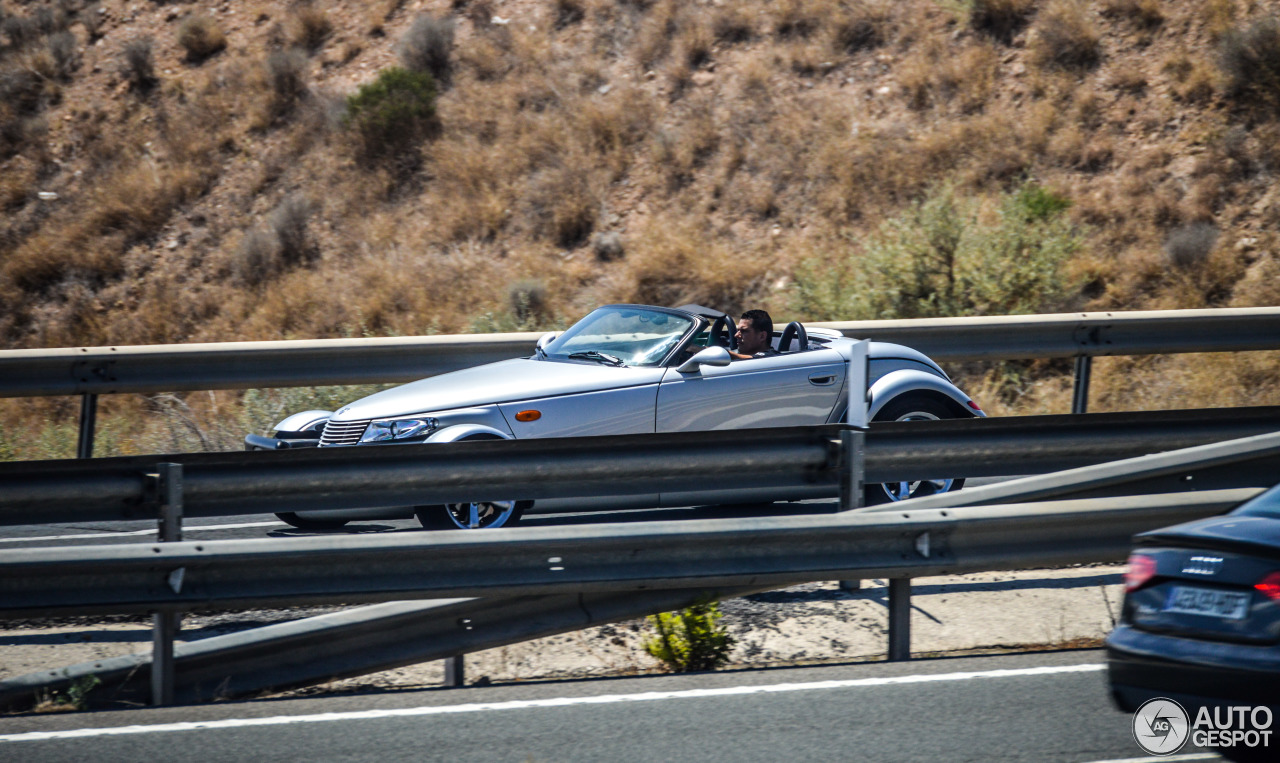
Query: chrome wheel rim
point(901, 491)
point(481, 515)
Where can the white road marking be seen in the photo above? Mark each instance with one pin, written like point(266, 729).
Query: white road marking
point(607, 699)
point(129, 533)
point(1173, 758)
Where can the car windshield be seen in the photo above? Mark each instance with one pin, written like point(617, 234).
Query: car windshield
point(1265, 505)
point(621, 335)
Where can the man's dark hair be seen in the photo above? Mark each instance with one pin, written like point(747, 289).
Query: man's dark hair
point(760, 320)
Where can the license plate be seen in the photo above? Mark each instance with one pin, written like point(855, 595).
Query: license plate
point(1229, 605)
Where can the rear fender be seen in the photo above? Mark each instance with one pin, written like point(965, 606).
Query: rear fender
point(897, 383)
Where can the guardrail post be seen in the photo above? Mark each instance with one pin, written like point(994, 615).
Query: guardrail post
point(899, 619)
point(1080, 395)
point(165, 623)
point(88, 420)
point(853, 442)
point(455, 671)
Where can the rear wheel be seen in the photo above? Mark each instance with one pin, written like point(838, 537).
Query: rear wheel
point(911, 408)
point(481, 515)
point(290, 518)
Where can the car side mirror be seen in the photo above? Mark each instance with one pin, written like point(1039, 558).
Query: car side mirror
point(712, 356)
point(546, 339)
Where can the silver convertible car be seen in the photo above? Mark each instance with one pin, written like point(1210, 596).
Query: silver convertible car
point(629, 369)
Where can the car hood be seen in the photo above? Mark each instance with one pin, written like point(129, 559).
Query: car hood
point(501, 382)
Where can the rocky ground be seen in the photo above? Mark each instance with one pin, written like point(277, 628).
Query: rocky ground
point(812, 623)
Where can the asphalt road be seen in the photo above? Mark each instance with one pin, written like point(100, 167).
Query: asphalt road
point(1026, 707)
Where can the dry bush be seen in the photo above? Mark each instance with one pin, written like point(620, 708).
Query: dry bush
point(310, 27)
point(563, 204)
point(1066, 37)
point(20, 30)
point(1194, 80)
point(733, 23)
point(694, 40)
point(799, 18)
point(679, 150)
point(1189, 246)
point(1128, 77)
point(1146, 14)
point(1218, 16)
point(91, 20)
point(1249, 57)
point(1002, 19)
point(63, 56)
point(528, 301)
point(428, 47)
point(653, 39)
point(137, 65)
point(201, 37)
point(859, 27)
point(567, 12)
point(938, 77)
point(256, 260)
point(608, 246)
point(282, 243)
point(289, 223)
point(684, 263)
point(286, 78)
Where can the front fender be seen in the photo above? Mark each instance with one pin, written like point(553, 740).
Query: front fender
point(301, 422)
point(461, 432)
point(900, 382)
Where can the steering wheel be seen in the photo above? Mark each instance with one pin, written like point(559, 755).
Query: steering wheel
point(793, 331)
point(723, 333)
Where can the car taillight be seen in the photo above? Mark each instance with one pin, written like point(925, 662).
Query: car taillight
point(974, 406)
point(1141, 569)
point(1270, 586)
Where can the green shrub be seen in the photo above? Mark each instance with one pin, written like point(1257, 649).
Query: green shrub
point(691, 639)
point(940, 258)
point(393, 113)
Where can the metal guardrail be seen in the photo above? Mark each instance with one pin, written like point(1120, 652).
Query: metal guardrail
point(242, 365)
point(92, 371)
point(353, 642)
point(715, 553)
point(224, 484)
point(724, 557)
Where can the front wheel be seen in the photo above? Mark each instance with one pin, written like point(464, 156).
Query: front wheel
point(911, 408)
point(302, 523)
point(481, 515)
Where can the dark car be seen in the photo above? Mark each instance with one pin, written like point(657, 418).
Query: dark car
point(1201, 626)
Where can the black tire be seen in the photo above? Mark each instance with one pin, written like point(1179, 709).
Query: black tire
point(291, 518)
point(911, 407)
point(454, 516)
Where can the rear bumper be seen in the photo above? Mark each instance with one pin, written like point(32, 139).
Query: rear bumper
point(1142, 666)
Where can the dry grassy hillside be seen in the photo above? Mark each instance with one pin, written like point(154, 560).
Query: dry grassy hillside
point(208, 171)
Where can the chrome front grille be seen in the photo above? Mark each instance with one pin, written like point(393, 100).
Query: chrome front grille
point(343, 432)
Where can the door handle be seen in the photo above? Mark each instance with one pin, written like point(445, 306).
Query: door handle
point(822, 380)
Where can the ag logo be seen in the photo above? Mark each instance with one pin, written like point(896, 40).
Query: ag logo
point(1161, 726)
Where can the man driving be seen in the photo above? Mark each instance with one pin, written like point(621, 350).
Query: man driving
point(755, 330)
